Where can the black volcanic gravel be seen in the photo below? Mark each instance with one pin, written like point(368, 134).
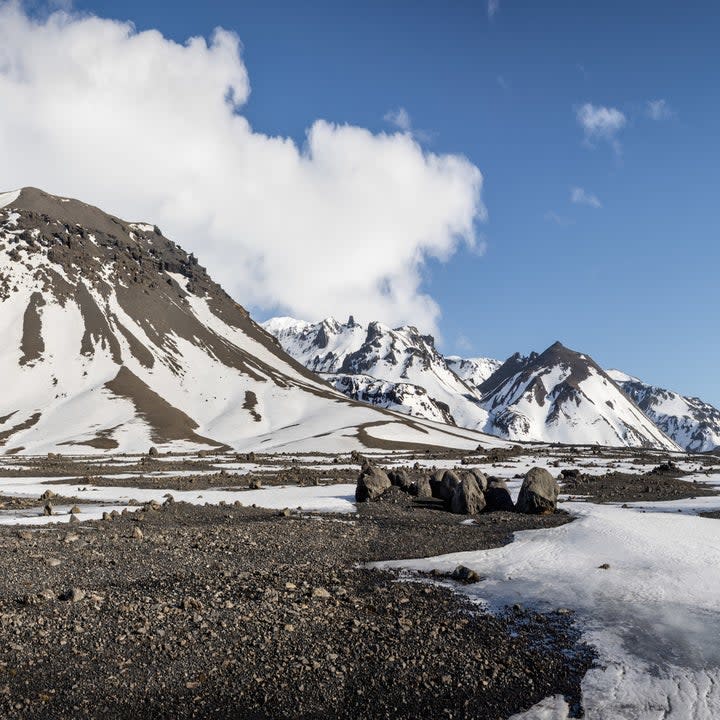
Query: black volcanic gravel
point(626, 487)
point(232, 612)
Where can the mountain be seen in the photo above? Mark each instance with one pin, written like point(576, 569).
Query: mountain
point(474, 371)
point(115, 338)
point(690, 422)
point(563, 396)
point(396, 368)
point(557, 396)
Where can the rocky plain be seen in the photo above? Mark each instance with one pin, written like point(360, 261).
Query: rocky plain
point(199, 586)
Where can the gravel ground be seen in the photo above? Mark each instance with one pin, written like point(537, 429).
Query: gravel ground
point(626, 487)
point(231, 612)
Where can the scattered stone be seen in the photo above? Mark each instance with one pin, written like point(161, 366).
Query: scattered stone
point(137, 533)
point(74, 595)
point(604, 566)
point(465, 575)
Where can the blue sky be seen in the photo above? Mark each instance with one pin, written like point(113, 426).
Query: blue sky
point(633, 282)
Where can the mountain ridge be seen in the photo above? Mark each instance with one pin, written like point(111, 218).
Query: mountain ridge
point(506, 398)
point(117, 339)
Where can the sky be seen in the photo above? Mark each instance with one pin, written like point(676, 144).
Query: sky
point(502, 174)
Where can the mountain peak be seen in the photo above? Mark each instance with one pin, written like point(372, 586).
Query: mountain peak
point(115, 338)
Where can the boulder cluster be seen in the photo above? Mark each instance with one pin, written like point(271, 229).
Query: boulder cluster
point(463, 491)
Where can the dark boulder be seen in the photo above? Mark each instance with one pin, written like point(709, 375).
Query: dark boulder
point(435, 481)
point(400, 478)
point(480, 477)
point(421, 488)
point(497, 496)
point(446, 490)
point(467, 498)
point(539, 493)
point(371, 484)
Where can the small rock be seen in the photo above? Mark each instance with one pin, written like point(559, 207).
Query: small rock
point(137, 533)
point(465, 575)
point(320, 592)
point(74, 595)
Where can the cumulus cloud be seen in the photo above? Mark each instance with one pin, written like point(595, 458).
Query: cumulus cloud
point(579, 196)
point(601, 123)
point(658, 109)
point(492, 7)
point(153, 130)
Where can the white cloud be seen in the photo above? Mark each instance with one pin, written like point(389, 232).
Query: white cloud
point(151, 130)
point(582, 197)
point(463, 343)
point(400, 118)
point(601, 123)
point(492, 7)
point(658, 109)
point(553, 217)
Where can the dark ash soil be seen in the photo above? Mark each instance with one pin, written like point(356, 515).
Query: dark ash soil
point(625, 487)
point(227, 612)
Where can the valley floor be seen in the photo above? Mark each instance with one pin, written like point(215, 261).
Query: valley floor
point(239, 587)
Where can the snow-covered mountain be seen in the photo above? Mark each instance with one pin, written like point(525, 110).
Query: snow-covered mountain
point(115, 338)
point(396, 368)
point(690, 422)
point(474, 371)
point(564, 396)
point(558, 396)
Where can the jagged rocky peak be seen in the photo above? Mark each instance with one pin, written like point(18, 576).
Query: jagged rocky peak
point(561, 395)
point(398, 368)
point(689, 421)
point(474, 371)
